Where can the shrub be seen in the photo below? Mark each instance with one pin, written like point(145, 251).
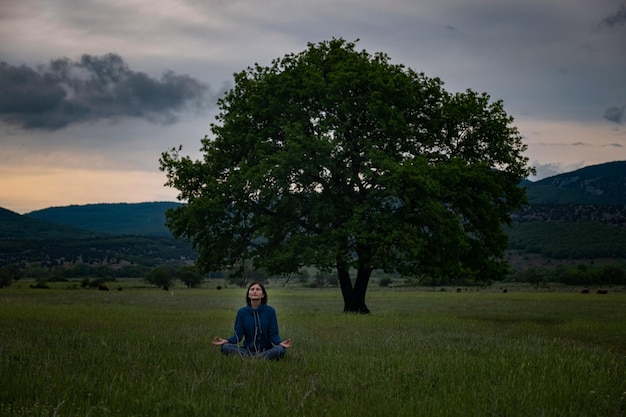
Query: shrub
point(385, 282)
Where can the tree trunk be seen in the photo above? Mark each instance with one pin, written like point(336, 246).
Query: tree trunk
point(354, 297)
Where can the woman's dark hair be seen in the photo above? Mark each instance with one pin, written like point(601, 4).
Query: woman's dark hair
point(263, 299)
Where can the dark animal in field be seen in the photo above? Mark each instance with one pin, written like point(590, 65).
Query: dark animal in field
point(602, 292)
point(219, 287)
point(119, 288)
point(102, 287)
point(585, 291)
point(458, 290)
point(166, 288)
point(505, 290)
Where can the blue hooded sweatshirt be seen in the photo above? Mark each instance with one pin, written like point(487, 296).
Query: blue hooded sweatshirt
point(257, 328)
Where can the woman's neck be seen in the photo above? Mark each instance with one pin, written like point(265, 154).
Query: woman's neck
point(255, 303)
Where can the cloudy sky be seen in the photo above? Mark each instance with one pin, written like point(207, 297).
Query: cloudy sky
point(92, 91)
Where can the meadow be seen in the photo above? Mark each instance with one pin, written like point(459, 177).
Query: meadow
point(147, 352)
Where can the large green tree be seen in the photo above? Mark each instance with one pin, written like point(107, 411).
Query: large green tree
point(337, 158)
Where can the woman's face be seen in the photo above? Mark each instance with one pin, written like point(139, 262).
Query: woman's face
point(255, 292)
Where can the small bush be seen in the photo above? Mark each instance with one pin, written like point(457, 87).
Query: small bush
point(385, 282)
point(42, 283)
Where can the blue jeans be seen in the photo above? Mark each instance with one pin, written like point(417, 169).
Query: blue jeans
point(275, 352)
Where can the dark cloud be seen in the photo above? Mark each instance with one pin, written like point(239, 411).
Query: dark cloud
point(95, 87)
point(616, 19)
point(614, 114)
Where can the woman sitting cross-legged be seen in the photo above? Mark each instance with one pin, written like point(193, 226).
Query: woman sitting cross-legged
point(257, 326)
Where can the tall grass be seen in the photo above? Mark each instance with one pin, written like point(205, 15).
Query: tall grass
point(147, 352)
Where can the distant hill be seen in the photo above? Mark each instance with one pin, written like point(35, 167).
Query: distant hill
point(575, 215)
point(14, 226)
point(25, 240)
point(142, 219)
point(603, 184)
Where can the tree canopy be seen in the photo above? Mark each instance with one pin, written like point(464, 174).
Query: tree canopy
point(337, 158)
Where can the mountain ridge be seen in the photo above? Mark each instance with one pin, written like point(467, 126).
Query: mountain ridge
point(602, 184)
point(590, 202)
point(596, 185)
point(146, 218)
point(14, 226)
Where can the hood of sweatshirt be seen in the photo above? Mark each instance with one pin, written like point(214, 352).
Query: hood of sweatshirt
point(257, 310)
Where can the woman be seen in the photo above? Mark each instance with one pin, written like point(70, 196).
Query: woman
point(256, 325)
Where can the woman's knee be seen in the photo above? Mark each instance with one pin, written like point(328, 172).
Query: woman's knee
point(276, 352)
point(228, 348)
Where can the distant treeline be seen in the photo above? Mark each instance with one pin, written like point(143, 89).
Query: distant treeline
point(579, 213)
point(101, 250)
point(569, 240)
point(164, 275)
point(556, 231)
point(579, 275)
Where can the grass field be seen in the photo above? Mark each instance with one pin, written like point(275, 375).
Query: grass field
point(147, 352)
